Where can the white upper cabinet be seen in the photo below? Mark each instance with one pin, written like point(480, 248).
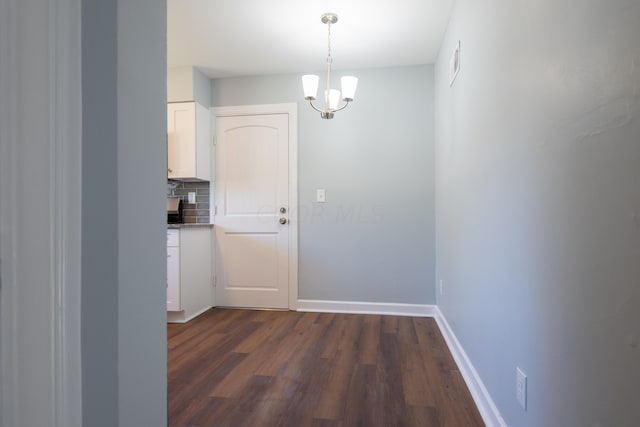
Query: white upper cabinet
point(188, 142)
point(188, 84)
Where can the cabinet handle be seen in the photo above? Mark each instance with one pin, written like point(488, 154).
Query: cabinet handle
point(169, 170)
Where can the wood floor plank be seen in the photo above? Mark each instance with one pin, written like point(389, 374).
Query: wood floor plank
point(336, 326)
point(326, 423)
point(183, 391)
point(309, 392)
point(390, 324)
point(270, 325)
point(198, 412)
point(390, 387)
point(290, 350)
point(369, 348)
point(259, 368)
point(252, 408)
point(415, 380)
point(424, 416)
point(406, 330)
point(213, 347)
point(361, 403)
point(232, 386)
point(332, 401)
point(342, 362)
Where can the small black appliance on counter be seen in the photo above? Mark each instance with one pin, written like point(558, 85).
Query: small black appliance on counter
point(174, 210)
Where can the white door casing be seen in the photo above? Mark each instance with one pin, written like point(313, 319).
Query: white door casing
point(256, 177)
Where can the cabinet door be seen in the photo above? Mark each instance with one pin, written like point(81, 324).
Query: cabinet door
point(173, 278)
point(173, 237)
point(181, 140)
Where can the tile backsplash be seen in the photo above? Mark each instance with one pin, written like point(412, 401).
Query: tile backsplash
point(197, 212)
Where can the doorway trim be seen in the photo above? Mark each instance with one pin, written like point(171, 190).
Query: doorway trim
point(292, 110)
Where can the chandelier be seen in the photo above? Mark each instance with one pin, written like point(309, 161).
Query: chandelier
point(332, 97)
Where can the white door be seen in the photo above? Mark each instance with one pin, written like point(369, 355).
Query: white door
point(252, 211)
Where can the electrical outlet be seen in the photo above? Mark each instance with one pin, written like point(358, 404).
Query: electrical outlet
point(192, 197)
point(441, 288)
point(521, 388)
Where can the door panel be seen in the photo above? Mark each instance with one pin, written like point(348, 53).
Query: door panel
point(252, 171)
point(252, 185)
point(262, 250)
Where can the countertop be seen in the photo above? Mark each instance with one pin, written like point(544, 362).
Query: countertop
point(188, 225)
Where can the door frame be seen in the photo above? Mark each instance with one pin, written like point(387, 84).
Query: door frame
point(292, 110)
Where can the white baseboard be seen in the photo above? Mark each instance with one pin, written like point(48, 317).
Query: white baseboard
point(175, 317)
point(353, 307)
point(180, 316)
point(479, 393)
point(197, 313)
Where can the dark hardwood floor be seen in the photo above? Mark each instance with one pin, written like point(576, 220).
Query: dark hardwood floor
point(269, 368)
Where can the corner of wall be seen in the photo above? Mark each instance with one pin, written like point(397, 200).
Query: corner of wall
point(486, 406)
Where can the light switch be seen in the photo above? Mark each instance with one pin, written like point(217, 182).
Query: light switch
point(192, 197)
point(320, 196)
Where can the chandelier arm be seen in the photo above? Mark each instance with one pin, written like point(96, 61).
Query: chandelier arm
point(342, 108)
point(314, 107)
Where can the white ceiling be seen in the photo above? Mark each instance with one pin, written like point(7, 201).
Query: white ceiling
point(254, 37)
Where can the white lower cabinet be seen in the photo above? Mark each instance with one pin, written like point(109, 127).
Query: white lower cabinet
point(189, 273)
point(173, 278)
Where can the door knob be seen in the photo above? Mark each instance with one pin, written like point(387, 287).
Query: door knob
point(283, 221)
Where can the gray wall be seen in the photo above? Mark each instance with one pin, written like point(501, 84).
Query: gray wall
point(373, 239)
point(538, 204)
point(123, 219)
point(99, 214)
point(201, 88)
